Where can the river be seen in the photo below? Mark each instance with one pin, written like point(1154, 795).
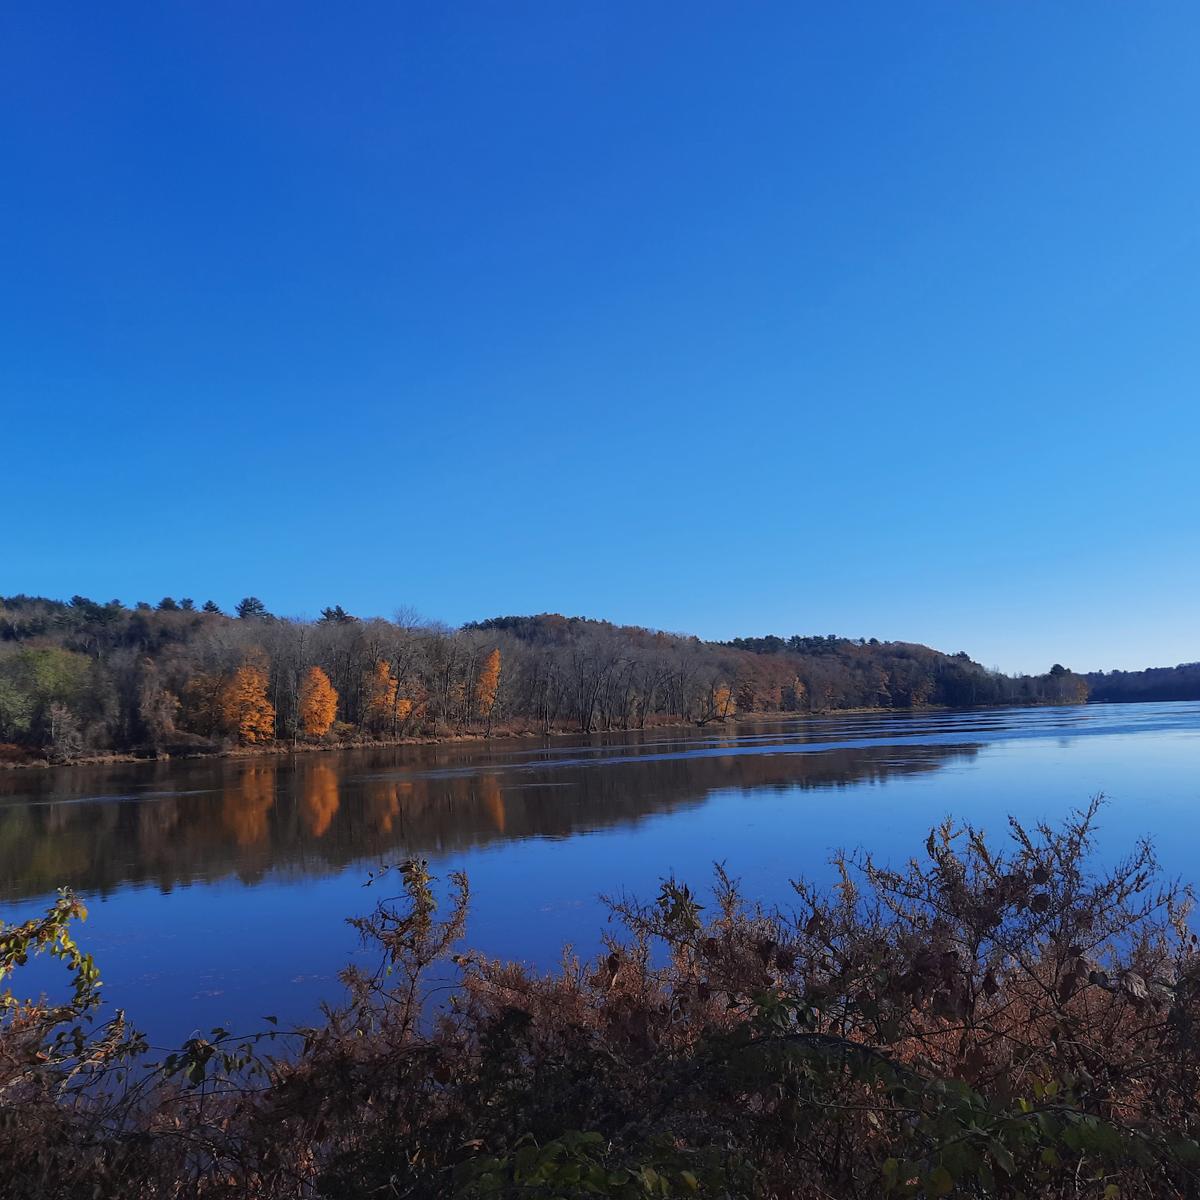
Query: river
point(219, 888)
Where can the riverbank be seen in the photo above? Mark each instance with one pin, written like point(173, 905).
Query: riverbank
point(507, 732)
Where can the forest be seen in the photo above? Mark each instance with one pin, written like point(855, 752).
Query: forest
point(1155, 683)
point(81, 678)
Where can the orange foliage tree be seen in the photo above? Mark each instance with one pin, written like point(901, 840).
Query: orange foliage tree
point(487, 684)
point(245, 709)
point(318, 703)
point(380, 695)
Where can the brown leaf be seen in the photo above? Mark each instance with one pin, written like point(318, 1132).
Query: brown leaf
point(1134, 986)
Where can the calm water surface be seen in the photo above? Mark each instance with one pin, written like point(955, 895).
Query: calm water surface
point(219, 889)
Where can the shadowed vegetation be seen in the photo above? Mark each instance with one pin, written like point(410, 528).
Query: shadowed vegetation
point(987, 1020)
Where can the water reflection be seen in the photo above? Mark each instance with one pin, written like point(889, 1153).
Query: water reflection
point(175, 823)
point(320, 799)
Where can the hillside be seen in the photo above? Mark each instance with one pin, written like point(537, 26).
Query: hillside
point(81, 677)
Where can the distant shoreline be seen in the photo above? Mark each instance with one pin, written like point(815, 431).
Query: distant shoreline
point(281, 749)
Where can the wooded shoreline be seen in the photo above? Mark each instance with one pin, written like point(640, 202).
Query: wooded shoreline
point(283, 748)
point(83, 682)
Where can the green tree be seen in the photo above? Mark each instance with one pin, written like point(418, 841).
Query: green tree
point(251, 606)
point(33, 680)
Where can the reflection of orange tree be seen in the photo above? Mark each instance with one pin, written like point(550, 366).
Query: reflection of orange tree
point(380, 806)
point(383, 802)
point(246, 803)
point(320, 803)
point(218, 817)
point(488, 790)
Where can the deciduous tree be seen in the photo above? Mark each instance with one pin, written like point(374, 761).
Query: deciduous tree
point(380, 695)
point(245, 709)
point(487, 684)
point(318, 703)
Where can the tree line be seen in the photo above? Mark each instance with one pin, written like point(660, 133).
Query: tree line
point(1155, 683)
point(83, 677)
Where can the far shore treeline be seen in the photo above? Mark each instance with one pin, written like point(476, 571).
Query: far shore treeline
point(82, 678)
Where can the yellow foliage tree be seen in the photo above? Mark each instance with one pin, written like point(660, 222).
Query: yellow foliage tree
point(245, 709)
point(487, 684)
point(380, 695)
point(723, 702)
point(318, 703)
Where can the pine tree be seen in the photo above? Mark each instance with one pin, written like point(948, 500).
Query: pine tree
point(250, 608)
point(318, 703)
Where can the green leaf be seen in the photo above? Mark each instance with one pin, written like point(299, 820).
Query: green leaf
point(1001, 1157)
point(939, 1182)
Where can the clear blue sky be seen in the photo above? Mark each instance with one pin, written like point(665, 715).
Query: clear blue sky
point(877, 319)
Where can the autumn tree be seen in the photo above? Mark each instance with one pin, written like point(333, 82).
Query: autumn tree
point(379, 695)
point(318, 703)
point(487, 684)
point(202, 708)
point(718, 704)
point(245, 709)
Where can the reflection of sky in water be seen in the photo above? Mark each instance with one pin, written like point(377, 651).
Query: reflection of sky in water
point(540, 849)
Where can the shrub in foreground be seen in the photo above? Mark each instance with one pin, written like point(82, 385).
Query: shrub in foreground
point(986, 1021)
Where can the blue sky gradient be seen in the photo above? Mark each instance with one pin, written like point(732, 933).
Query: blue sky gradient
point(874, 319)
